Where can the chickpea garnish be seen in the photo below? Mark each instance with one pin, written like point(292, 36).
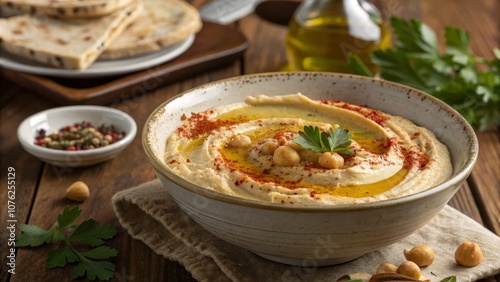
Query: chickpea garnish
point(409, 268)
point(422, 255)
point(468, 254)
point(240, 140)
point(331, 160)
point(285, 156)
point(269, 147)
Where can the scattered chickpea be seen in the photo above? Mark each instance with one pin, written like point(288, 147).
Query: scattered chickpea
point(468, 254)
point(387, 267)
point(285, 156)
point(409, 268)
point(240, 140)
point(331, 160)
point(269, 147)
point(78, 191)
point(422, 255)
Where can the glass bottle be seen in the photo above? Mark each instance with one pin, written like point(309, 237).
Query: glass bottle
point(322, 33)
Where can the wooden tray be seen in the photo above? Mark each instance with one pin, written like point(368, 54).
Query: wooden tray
point(214, 45)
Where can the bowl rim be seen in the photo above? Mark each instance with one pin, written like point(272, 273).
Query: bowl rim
point(129, 136)
point(213, 195)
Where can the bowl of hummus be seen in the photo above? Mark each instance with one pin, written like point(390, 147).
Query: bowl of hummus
point(309, 168)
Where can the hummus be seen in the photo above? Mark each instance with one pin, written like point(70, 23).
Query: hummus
point(231, 149)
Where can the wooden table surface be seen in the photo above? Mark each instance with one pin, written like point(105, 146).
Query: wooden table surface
point(40, 188)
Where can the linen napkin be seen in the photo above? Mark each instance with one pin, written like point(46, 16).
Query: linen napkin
point(149, 214)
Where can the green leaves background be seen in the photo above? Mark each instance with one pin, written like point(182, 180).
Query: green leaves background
point(468, 83)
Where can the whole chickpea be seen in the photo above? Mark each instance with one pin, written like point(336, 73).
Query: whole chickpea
point(422, 255)
point(387, 267)
point(285, 156)
point(240, 140)
point(468, 254)
point(331, 160)
point(409, 268)
point(269, 147)
point(282, 141)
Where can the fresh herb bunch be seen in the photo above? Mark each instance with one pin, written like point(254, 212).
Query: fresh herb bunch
point(90, 233)
point(468, 83)
point(334, 141)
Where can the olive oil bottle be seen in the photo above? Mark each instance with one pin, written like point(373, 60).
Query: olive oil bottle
point(322, 33)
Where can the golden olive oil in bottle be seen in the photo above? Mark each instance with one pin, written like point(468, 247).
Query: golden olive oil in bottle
point(322, 33)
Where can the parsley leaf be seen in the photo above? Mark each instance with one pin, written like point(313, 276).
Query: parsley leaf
point(90, 233)
point(468, 83)
point(59, 257)
point(333, 141)
point(449, 279)
point(33, 236)
point(102, 270)
point(67, 218)
point(310, 139)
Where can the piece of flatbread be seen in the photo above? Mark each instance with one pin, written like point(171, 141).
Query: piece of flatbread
point(161, 24)
point(64, 43)
point(64, 8)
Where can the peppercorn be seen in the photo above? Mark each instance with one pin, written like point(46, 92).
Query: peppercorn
point(79, 136)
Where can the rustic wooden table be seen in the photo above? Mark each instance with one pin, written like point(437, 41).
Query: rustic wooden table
point(40, 187)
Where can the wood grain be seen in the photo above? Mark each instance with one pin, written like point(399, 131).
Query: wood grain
point(214, 46)
point(480, 19)
point(40, 187)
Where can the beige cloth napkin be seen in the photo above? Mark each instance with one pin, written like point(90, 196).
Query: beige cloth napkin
point(149, 214)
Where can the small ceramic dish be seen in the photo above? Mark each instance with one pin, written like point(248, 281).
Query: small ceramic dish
point(57, 118)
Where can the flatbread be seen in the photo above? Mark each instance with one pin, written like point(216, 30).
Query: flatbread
point(64, 43)
point(161, 24)
point(64, 8)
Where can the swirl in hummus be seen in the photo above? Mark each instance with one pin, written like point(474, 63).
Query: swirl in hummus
point(392, 156)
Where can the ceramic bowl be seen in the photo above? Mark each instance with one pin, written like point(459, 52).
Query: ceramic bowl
point(57, 118)
point(313, 235)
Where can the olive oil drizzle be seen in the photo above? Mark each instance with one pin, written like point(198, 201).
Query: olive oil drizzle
point(236, 158)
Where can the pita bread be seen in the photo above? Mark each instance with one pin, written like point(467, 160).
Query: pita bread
point(64, 43)
point(64, 8)
point(162, 23)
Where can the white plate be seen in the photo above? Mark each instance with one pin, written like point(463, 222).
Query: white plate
point(99, 68)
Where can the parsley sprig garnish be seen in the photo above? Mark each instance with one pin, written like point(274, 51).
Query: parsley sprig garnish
point(458, 77)
point(90, 233)
point(333, 141)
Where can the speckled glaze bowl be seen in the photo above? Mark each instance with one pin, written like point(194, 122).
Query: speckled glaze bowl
point(313, 235)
